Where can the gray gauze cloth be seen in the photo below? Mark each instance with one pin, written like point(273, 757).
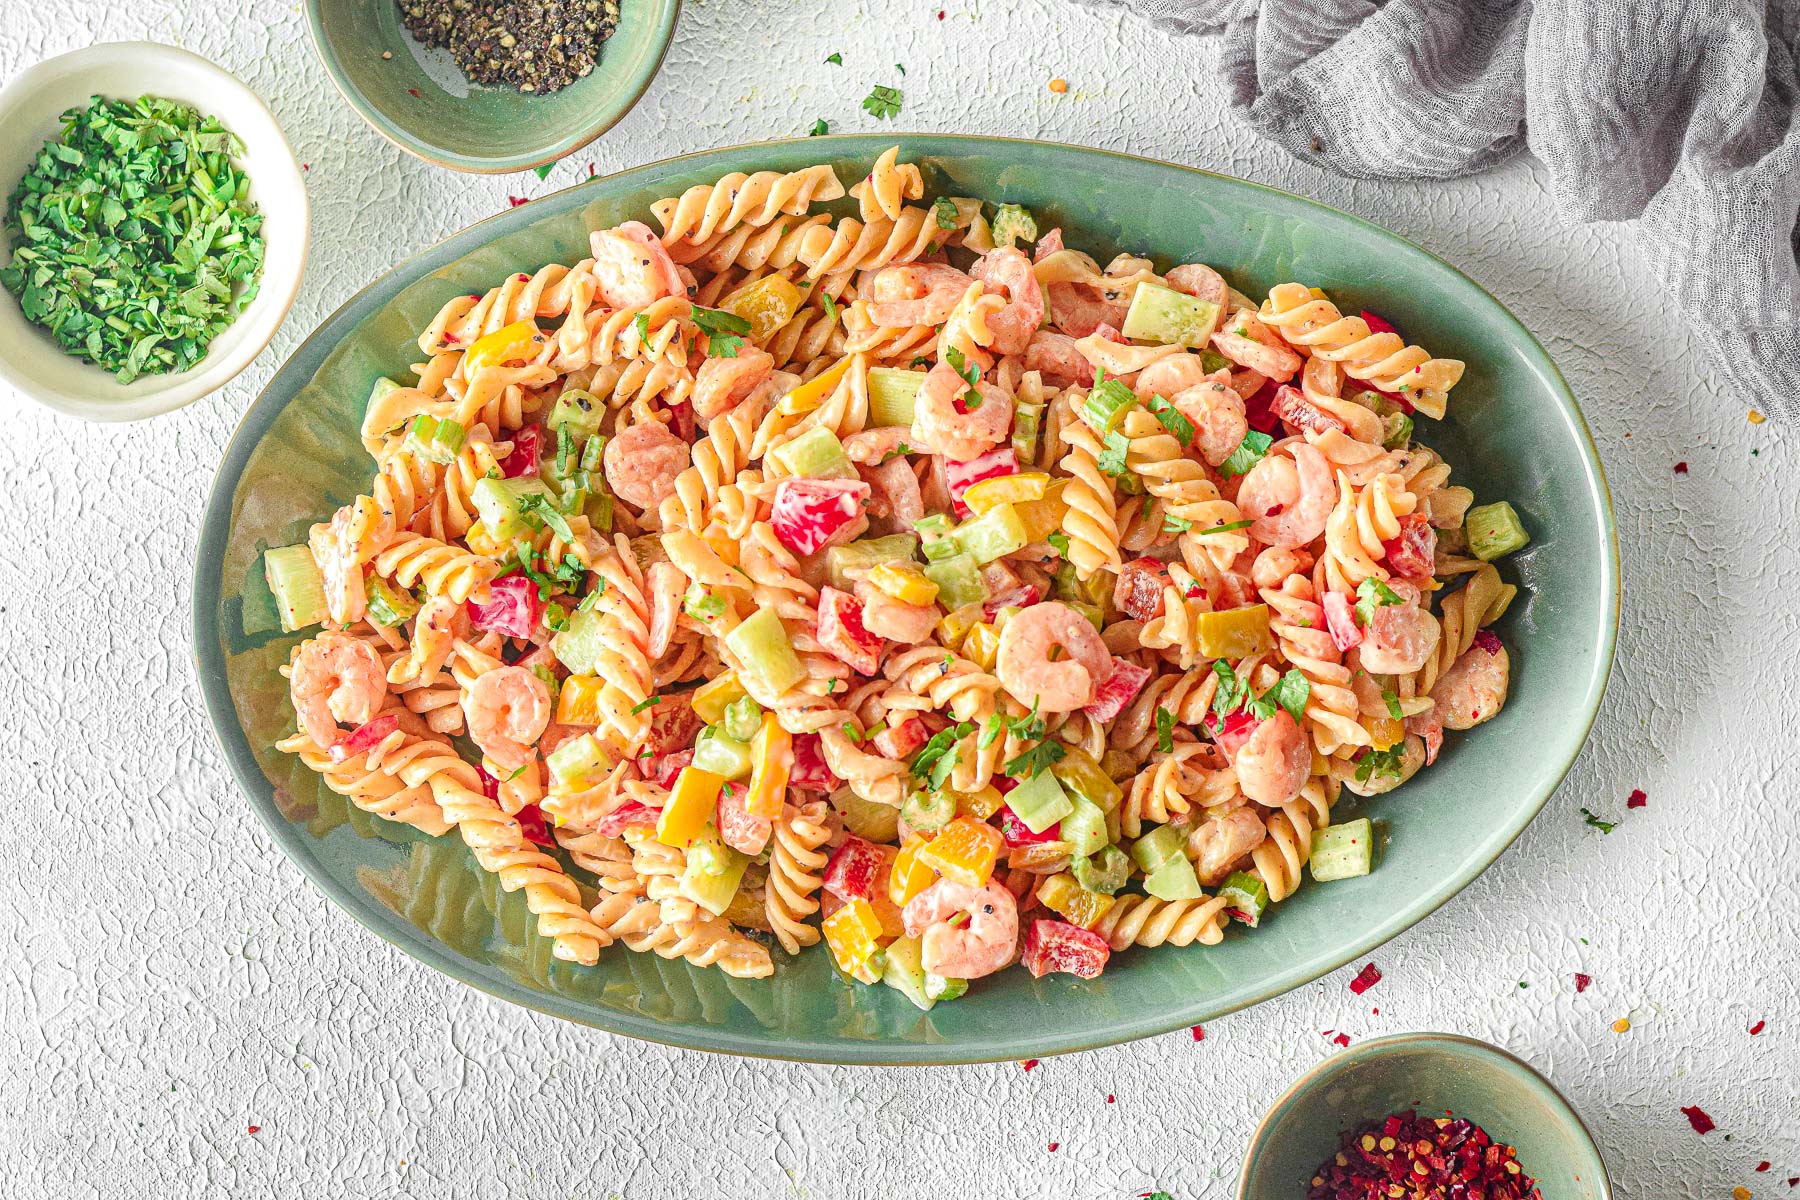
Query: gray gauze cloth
point(1679, 115)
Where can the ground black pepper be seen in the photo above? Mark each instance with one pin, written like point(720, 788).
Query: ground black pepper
point(533, 45)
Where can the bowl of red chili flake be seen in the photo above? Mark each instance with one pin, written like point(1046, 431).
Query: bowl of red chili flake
point(1423, 1116)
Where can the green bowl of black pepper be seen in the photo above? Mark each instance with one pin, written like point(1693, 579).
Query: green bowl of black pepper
point(492, 86)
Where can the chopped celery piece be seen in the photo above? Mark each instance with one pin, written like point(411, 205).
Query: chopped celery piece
point(1014, 223)
point(905, 973)
point(1082, 776)
point(1160, 314)
point(1107, 405)
point(1093, 612)
point(1103, 872)
point(1245, 896)
point(1396, 430)
point(709, 854)
point(743, 717)
point(1375, 402)
point(761, 642)
point(577, 762)
point(1235, 632)
point(1159, 846)
point(930, 811)
point(497, 500)
point(1343, 851)
point(1039, 802)
point(723, 755)
point(581, 411)
point(701, 603)
point(600, 511)
point(892, 393)
point(815, 454)
point(433, 438)
point(937, 532)
point(390, 605)
point(937, 987)
point(1174, 880)
point(844, 565)
point(711, 699)
point(867, 819)
point(298, 587)
point(958, 580)
point(1097, 589)
point(712, 873)
point(1026, 420)
point(994, 534)
point(1494, 530)
point(579, 646)
point(1085, 826)
point(1211, 360)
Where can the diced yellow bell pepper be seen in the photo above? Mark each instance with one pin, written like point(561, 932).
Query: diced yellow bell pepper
point(956, 625)
point(964, 851)
point(768, 304)
point(814, 391)
point(579, 701)
point(1320, 764)
point(980, 805)
point(982, 646)
point(853, 933)
point(713, 697)
point(690, 808)
point(1005, 614)
point(1079, 773)
point(1006, 489)
point(771, 758)
point(908, 876)
point(904, 581)
point(1234, 633)
point(1077, 905)
point(1386, 732)
point(1043, 516)
point(482, 542)
point(515, 343)
point(1318, 293)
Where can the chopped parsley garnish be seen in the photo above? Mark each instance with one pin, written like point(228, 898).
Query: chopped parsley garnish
point(829, 305)
point(1372, 594)
point(835, 58)
point(1035, 761)
point(556, 618)
point(971, 375)
point(1172, 419)
point(1172, 524)
point(564, 576)
point(1597, 823)
point(641, 323)
point(1029, 727)
point(944, 212)
point(540, 510)
point(1059, 542)
point(1389, 762)
point(639, 707)
point(939, 757)
point(1231, 690)
point(1290, 692)
point(819, 129)
point(1113, 454)
point(1393, 703)
point(543, 172)
point(1250, 451)
point(883, 102)
point(1165, 730)
point(1228, 527)
point(852, 732)
point(724, 331)
point(898, 67)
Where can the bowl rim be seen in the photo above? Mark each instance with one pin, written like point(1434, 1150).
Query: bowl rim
point(210, 670)
point(264, 316)
point(1376, 1047)
point(440, 156)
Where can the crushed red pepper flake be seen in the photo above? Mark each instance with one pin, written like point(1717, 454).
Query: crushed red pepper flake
point(255, 1128)
point(1637, 799)
point(1365, 979)
point(1582, 982)
point(1029, 1063)
point(1681, 468)
point(1794, 1180)
point(1199, 1033)
point(1342, 1039)
point(1404, 1155)
point(1757, 1028)
point(1109, 1097)
point(1697, 1117)
point(1053, 1146)
point(515, 201)
point(1764, 1165)
point(414, 92)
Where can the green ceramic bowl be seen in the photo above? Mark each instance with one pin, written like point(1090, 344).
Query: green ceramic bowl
point(419, 100)
point(1513, 431)
point(1432, 1073)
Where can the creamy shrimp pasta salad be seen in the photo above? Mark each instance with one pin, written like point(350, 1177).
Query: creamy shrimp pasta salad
point(907, 581)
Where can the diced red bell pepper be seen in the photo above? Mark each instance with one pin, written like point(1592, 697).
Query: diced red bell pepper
point(1139, 591)
point(854, 870)
point(1414, 552)
point(1489, 641)
point(629, 815)
point(1232, 732)
point(682, 417)
point(901, 738)
point(1023, 596)
point(513, 608)
point(1121, 688)
point(524, 457)
point(738, 828)
point(1060, 946)
point(664, 770)
point(1015, 833)
point(843, 635)
point(1340, 620)
point(1376, 324)
point(1259, 411)
point(490, 786)
point(363, 737)
point(1292, 406)
point(811, 514)
point(961, 476)
point(810, 770)
point(533, 826)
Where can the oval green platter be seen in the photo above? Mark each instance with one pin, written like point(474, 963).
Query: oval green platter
point(1513, 431)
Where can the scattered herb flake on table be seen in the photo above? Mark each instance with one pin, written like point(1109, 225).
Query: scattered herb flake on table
point(135, 242)
point(884, 102)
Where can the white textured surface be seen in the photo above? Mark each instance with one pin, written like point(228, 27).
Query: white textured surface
point(168, 980)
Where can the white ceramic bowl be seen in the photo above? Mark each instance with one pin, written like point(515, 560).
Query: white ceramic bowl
point(31, 107)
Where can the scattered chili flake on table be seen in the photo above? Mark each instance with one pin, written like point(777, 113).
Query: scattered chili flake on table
point(1059, 86)
point(1029, 1063)
point(1053, 1146)
point(1740, 1193)
point(1757, 1028)
point(1697, 1117)
point(1365, 979)
point(1199, 1033)
point(1109, 1097)
point(1756, 418)
point(1764, 1165)
point(515, 201)
point(1637, 799)
point(1681, 468)
point(1622, 1025)
point(255, 1128)
point(1582, 982)
point(1421, 1159)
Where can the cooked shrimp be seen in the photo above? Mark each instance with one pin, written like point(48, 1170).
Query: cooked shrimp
point(1473, 690)
point(1288, 496)
point(884, 616)
point(724, 383)
point(1166, 376)
point(1218, 844)
point(1217, 412)
point(1247, 342)
point(872, 447)
point(440, 622)
point(335, 678)
point(1412, 757)
point(508, 709)
point(1273, 763)
point(1056, 357)
point(1203, 283)
point(1031, 669)
point(631, 268)
point(642, 463)
point(941, 422)
point(898, 488)
point(916, 294)
point(1399, 639)
point(1009, 271)
point(1276, 563)
point(1078, 309)
point(963, 951)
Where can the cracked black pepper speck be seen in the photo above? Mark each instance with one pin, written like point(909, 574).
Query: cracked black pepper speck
point(533, 45)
